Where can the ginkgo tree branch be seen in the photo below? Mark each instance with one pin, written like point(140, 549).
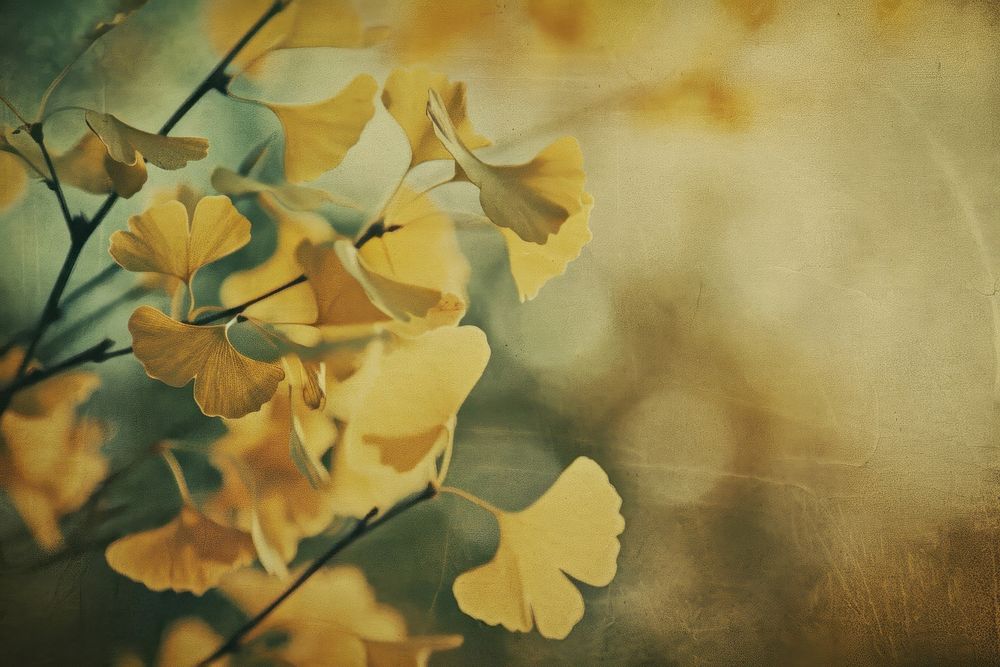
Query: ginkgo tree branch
point(53, 180)
point(81, 230)
point(364, 525)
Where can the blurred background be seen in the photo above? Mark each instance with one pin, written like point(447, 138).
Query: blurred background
point(782, 342)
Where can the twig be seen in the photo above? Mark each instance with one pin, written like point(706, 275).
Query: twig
point(208, 318)
point(363, 526)
point(38, 136)
point(81, 232)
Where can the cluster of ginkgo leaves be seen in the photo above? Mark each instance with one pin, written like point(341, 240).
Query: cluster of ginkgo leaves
point(352, 407)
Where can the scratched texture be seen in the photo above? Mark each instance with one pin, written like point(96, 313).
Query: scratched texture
point(782, 343)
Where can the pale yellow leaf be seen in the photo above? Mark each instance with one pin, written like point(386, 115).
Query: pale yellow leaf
point(318, 136)
point(160, 240)
point(334, 619)
point(533, 199)
point(419, 247)
point(571, 531)
point(190, 553)
point(405, 97)
point(303, 23)
point(261, 483)
point(187, 642)
point(533, 265)
point(295, 197)
point(13, 179)
point(126, 144)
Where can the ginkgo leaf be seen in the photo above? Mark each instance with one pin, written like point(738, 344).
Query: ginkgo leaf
point(88, 166)
point(400, 300)
point(533, 265)
point(318, 136)
point(226, 383)
point(304, 23)
point(295, 197)
point(263, 489)
point(50, 459)
point(533, 199)
point(187, 642)
point(190, 553)
point(344, 309)
point(571, 531)
point(405, 97)
point(334, 619)
point(418, 246)
point(13, 179)
point(400, 409)
point(127, 144)
point(49, 466)
point(160, 240)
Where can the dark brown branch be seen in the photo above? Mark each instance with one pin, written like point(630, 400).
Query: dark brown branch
point(362, 527)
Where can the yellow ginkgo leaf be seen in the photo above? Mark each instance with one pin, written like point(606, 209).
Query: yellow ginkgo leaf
point(418, 246)
point(400, 409)
point(533, 199)
point(295, 197)
point(88, 166)
point(405, 97)
point(301, 24)
point(400, 300)
point(13, 179)
point(334, 619)
point(571, 531)
point(49, 466)
point(318, 136)
point(226, 383)
point(187, 642)
point(127, 144)
point(344, 309)
point(161, 240)
point(261, 481)
point(533, 265)
point(190, 553)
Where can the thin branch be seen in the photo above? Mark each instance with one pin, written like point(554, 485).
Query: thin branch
point(362, 527)
point(53, 179)
point(228, 313)
point(13, 109)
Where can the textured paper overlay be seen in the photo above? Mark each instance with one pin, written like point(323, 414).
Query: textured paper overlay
point(782, 342)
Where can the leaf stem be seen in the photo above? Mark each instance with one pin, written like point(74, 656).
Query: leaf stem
point(475, 500)
point(362, 527)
